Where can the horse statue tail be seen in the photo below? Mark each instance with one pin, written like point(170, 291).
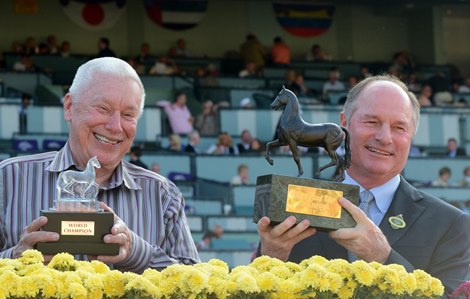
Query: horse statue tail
point(346, 161)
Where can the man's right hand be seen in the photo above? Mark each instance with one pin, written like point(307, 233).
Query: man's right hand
point(278, 241)
point(31, 235)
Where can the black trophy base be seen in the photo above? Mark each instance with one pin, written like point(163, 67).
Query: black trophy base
point(80, 233)
point(279, 197)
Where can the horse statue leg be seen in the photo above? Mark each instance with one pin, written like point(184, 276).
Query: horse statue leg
point(269, 145)
point(296, 155)
point(334, 160)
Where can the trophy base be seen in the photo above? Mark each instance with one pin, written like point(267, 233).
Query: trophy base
point(80, 233)
point(279, 197)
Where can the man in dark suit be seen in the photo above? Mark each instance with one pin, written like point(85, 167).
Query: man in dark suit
point(453, 149)
point(400, 224)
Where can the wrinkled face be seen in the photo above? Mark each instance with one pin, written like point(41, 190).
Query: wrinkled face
point(103, 120)
point(381, 130)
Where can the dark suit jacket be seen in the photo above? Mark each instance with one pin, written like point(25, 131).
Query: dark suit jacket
point(436, 238)
point(459, 153)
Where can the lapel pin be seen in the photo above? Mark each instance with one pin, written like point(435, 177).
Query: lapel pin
point(397, 222)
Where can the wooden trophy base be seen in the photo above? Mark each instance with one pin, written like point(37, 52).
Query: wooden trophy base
point(80, 233)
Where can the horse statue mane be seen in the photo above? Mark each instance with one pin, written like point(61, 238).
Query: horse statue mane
point(77, 184)
point(293, 131)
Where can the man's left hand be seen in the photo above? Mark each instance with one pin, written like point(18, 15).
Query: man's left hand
point(120, 234)
point(366, 240)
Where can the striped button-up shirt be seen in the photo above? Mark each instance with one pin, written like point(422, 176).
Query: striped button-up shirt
point(150, 205)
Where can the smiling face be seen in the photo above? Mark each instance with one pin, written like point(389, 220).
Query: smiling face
point(382, 129)
point(103, 120)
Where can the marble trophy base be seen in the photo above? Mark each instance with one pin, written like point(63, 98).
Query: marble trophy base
point(80, 233)
point(280, 196)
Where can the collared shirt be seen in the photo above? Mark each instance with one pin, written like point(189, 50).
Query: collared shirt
point(179, 117)
point(150, 205)
point(383, 196)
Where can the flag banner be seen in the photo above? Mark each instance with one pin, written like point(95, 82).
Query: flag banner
point(303, 18)
point(95, 15)
point(176, 14)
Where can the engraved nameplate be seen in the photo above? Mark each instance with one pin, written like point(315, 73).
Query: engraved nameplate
point(77, 228)
point(313, 201)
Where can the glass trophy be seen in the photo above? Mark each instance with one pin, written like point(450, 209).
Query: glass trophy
point(280, 196)
point(76, 216)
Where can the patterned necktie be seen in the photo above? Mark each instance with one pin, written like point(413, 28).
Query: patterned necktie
point(365, 198)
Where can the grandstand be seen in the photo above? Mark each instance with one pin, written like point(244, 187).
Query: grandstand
point(355, 39)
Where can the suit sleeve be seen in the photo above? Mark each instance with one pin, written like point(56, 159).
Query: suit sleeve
point(451, 258)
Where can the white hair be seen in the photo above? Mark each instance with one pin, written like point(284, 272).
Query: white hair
point(104, 65)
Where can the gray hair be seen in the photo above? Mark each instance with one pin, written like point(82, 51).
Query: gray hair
point(105, 65)
point(350, 105)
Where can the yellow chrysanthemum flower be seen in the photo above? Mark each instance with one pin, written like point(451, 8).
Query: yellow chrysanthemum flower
point(363, 272)
point(31, 256)
point(63, 262)
point(113, 283)
point(77, 291)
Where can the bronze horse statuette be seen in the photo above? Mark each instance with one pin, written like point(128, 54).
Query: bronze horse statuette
point(292, 130)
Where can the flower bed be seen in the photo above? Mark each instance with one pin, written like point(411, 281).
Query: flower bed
point(64, 277)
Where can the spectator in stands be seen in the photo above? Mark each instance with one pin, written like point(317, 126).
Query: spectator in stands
point(402, 64)
point(465, 88)
point(206, 241)
point(164, 66)
point(298, 86)
point(180, 50)
point(444, 176)
point(453, 149)
point(333, 83)
point(52, 44)
point(440, 85)
point(179, 116)
point(17, 47)
point(415, 151)
point(23, 114)
point(43, 49)
point(465, 181)
point(134, 157)
point(249, 71)
point(245, 141)
point(257, 146)
point(155, 167)
point(382, 117)
point(352, 81)
point(317, 53)
point(246, 103)
point(144, 56)
point(193, 144)
point(102, 110)
point(253, 51)
point(30, 46)
point(104, 49)
point(138, 67)
point(224, 146)
point(364, 72)
point(206, 121)
point(65, 49)
point(280, 52)
point(175, 143)
point(425, 95)
point(413, 84)
point(25, 64)
point(242, 177)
